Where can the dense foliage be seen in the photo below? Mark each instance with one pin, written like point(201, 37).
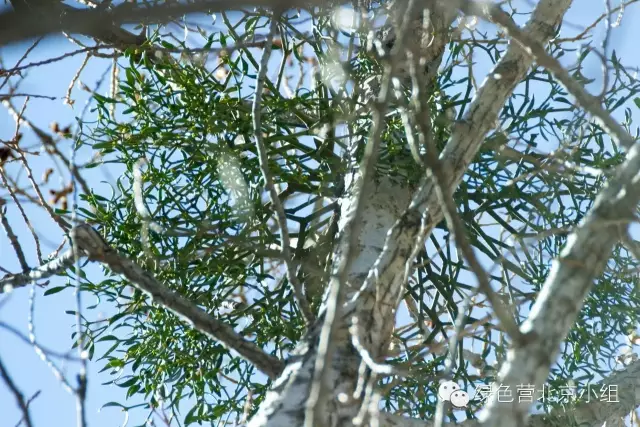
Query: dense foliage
point(190, 207)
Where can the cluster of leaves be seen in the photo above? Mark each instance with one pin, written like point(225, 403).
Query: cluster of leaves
point(190, 125)
point(208, 253)
point(518, 210)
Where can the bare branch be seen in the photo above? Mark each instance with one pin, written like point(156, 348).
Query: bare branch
point(26, 340)
point(42, 354)
point(12, 237)
point(18, 67)
point(24, 407)
point(18, 117)
point(104, 24)
point(51, 146)
point(595, 23)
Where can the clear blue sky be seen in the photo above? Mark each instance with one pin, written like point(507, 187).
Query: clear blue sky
point(54, 406)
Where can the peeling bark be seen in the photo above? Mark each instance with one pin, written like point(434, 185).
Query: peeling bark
point(571, 277)
point(375, 287)
point(285, 402)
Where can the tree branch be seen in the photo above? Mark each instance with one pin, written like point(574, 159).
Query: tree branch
point(105, 24)
point(590, 103)
point(581, 261)
point(263, 161)
point(49, 269)
point(91, 245)
point(22, 403)
point(285, 403)
point(593, 413)
point(425, 211)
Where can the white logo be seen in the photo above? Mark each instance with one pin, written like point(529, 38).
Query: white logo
point(450, 392)
point(446, 389)
point(460, 399)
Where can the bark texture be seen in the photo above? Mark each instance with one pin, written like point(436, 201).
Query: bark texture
point(388, 240)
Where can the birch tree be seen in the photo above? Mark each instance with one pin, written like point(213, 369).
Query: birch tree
point(319, 213)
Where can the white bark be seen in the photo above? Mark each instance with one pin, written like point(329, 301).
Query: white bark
point(465, 142)
point(376, 301)
point(285, 402)
point(593, 414)
point(582, 260)
point(395, 220)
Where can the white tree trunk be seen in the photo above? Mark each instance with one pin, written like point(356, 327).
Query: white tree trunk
point(386, 243)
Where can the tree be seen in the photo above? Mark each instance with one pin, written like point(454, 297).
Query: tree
point(319, 252)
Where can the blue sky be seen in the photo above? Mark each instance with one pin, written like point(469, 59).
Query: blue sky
point(54, 406)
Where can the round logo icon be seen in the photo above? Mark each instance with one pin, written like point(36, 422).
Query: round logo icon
point(459, 399)
point(446, 389)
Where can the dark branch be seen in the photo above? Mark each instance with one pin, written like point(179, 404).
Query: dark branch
point(25, 23)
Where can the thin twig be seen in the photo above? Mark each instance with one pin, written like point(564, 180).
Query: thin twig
point(76, 76)
point(451, 354)
point(24, 407)
point(596, 22)
point(587, 101)
point(17, 248)
point(12, 193)
point(56, 218)
point(268, 179)
point(19, 68)
point(57, 372)
point(605, 50)
point(351, 234)
point(81, 389)
point(23, 95)
point(26, 340)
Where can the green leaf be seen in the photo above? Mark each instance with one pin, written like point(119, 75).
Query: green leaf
point(55, 290)
point(104, 99)
point(128, 383)
point(191, 416)
point(112, 404)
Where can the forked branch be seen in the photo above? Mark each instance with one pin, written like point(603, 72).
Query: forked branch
point(91, 245)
